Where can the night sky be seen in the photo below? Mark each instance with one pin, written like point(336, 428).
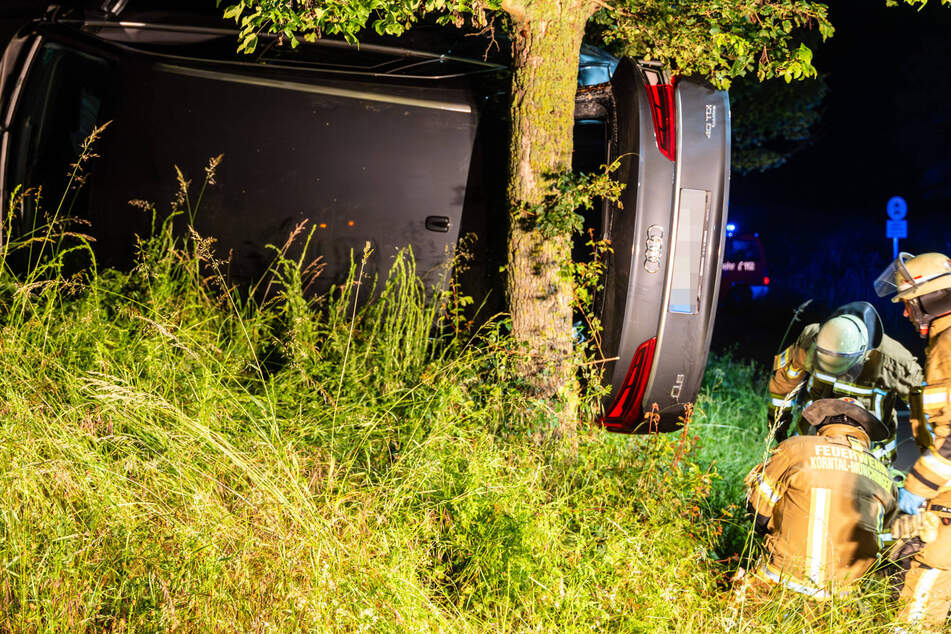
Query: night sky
point(886, 131)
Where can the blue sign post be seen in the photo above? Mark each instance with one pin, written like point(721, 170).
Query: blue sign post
point(897, 227)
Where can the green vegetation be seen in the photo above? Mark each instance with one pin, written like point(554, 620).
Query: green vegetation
point(716, 39)
point(180, 456)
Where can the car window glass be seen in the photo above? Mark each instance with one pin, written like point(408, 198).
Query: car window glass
point(62, 102)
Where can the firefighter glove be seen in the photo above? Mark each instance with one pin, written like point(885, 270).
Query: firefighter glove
point(908, 502)
point(923, 525)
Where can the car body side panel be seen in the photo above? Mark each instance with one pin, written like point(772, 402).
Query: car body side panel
point(306, 170)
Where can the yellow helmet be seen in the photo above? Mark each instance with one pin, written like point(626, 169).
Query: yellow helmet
point(923, 282)
point(914, 275)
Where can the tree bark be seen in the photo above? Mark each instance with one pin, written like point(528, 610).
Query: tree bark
point(546, 51)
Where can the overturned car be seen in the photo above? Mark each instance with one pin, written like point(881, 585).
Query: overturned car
point(396, 143)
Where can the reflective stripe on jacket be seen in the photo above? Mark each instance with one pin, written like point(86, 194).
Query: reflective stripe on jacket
point(827, 499)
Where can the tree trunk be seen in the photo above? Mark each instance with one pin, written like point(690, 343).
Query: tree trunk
point(547, 48)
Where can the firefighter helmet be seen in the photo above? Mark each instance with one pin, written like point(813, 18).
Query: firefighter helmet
point(849, 411)
point(923, 282)
point(842, 342)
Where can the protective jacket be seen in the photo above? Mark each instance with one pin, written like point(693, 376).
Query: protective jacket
point(889, 373)
point(931, 474)
point(926, 594)
point(822, 501)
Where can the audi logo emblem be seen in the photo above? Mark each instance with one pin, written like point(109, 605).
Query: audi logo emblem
point(655, 248)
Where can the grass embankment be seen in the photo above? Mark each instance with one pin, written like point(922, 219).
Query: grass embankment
point(176, 457)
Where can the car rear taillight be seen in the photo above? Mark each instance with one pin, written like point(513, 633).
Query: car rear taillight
point(626, 410)
point(765, 281)
point(664, 114)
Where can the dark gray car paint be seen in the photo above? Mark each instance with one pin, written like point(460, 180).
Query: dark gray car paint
point(633, 295)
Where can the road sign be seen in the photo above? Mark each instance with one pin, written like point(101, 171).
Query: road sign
point(896, 228)
point(896, 208)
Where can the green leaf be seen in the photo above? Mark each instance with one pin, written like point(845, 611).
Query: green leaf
point(249, 43)
point(234, 11)
point(805, 54)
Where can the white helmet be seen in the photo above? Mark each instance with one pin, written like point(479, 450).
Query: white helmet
point(841, 343)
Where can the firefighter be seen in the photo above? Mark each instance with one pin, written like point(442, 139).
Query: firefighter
point(923, 284)
point(822, 501)
point(846, 355)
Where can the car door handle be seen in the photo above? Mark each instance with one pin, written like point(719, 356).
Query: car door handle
point(437, 223)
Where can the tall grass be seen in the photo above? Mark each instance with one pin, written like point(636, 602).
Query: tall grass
point(181, 456)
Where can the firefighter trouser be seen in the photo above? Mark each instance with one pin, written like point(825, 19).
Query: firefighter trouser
point(926, 593)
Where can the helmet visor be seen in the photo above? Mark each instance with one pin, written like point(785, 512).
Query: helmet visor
point(895, 278)
point(836, 363)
